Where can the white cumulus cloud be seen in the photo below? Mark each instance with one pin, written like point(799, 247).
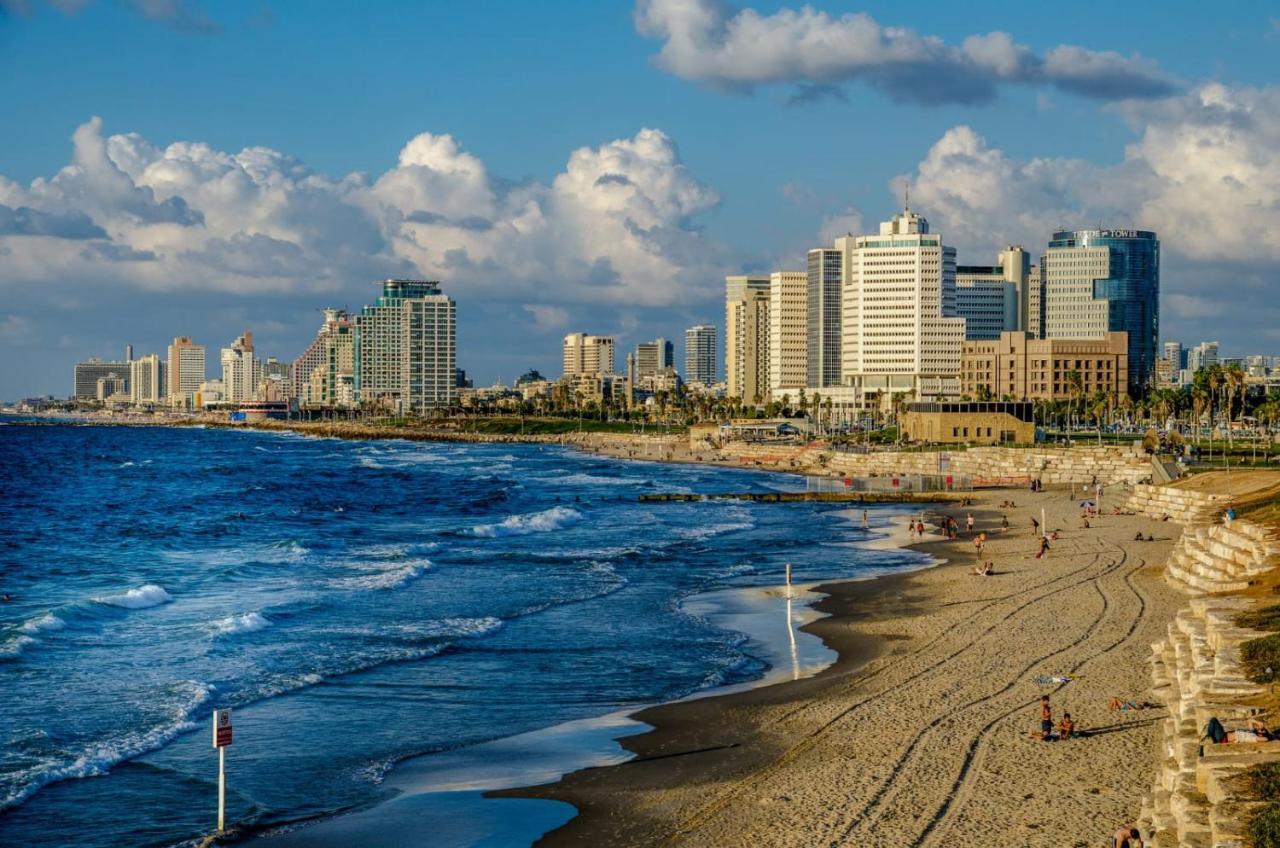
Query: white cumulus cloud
point(615, 226)
point(740, 49)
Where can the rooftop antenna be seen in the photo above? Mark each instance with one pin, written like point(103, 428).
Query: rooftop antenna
point(906, 196)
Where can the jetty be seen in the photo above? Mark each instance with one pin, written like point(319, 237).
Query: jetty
point(796, 497)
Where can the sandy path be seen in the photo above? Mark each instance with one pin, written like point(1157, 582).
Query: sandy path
point(928, 743)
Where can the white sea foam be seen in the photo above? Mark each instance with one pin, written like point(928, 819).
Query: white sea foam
point(100, 756)
point(44, 624)
point(128, 464)
point(537, 522)
point(142, 597)
point(248, 622)
point(390, 575)
point(13, 648)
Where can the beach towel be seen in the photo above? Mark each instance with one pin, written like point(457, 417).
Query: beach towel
point(1051, 679)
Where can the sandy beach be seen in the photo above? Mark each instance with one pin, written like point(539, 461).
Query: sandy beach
point(919, 733)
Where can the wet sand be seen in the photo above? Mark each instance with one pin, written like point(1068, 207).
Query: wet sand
point(919, 733)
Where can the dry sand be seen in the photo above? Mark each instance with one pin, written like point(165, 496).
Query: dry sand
point(918, 735)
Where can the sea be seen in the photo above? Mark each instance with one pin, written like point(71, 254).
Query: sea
point(362, 607)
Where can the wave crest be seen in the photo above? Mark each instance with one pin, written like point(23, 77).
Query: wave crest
point(249, 622)
point(537, 522)
point(142, 597)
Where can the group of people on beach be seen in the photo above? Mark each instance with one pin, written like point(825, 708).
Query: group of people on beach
point(1066, 727)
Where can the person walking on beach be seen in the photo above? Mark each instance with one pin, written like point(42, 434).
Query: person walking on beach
point(978, 542)
point(1035, 526)
point(864, 519)
point(968, 523)
point(1044, 548)
point(1004, 524)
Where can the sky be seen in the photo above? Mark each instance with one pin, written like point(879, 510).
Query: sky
point(173, 167)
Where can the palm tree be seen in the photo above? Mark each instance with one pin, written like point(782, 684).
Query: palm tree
point(1199, 403)
point(1075, 386)
point(1235, 382)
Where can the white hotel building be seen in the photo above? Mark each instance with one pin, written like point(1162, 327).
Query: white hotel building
point(901, 334)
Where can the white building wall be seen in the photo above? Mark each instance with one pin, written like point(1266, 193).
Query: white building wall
point(788, 332)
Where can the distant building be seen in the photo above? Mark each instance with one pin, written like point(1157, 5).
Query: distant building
point(584, 353)
point(240, 369)
point(1202, 356)
point(1176, 354)
point(87, 374)
point(1101, 281)
point(186, 370)
point(788, 332)
point(982, 423)
point(1020, 367)
point(332, 351)
point(823, 318)
point(902, 336)
point(654, 357)
point(746, 337)
point(989, 297)
point(111, 388)
point(700, 355)
point(147, 382)
point(406, 348)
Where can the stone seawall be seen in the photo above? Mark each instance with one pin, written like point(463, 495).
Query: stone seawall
point(1108, 465)
point(1196, 673)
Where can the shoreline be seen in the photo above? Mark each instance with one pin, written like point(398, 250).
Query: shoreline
point(477, 780)
point(935, 680)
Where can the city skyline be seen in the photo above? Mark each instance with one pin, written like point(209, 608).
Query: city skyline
point(149, 224)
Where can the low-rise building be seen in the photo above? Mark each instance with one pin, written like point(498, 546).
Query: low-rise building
point(976, 423)
point(1019, 366)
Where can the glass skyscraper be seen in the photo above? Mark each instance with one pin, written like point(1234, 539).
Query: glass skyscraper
point(1105, 280)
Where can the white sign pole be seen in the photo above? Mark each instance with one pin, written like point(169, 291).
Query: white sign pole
point(1044, 529)
point(222, 787)
point(221, 739)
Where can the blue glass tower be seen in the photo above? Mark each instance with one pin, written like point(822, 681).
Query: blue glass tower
point(1106, 280)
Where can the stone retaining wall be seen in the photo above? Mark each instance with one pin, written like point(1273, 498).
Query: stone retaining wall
point(1183, 506)
point(1196, 673)
point(1109, 465)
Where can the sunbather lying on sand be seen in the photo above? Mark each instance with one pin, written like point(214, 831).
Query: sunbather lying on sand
point(985, 569)
point(1119, 704)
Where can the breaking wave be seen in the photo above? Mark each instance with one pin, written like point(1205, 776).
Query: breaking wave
point(522, 525)
point(142, 597)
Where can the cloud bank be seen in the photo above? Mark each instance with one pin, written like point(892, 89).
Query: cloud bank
point(741, 49)
point(615, 226)
point(1204, 173)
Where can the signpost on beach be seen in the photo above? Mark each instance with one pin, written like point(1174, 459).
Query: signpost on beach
point(222, 739)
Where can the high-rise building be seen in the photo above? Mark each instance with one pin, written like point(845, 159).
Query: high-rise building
point(824, 317)
point(587, 354)
point(87, 374)
point(1017, 366)
point(739, 294)
point(241, 369)
point(331, 380)
point(147, 382)
point(186, 369)
point(654, 357)
point(332, 348)
point(405, 348)
point(1177, 357)
point(1202, 356)
point(700, 355)
point(1032, 317)
point(788, 333)
point(989, 297)
point(1101, 281)
point(902, 336)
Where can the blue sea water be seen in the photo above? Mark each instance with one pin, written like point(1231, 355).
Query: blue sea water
point(355, 603)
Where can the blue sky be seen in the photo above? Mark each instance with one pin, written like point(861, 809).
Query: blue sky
point(739, 177)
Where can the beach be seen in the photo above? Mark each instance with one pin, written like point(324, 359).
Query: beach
point(919, 733)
